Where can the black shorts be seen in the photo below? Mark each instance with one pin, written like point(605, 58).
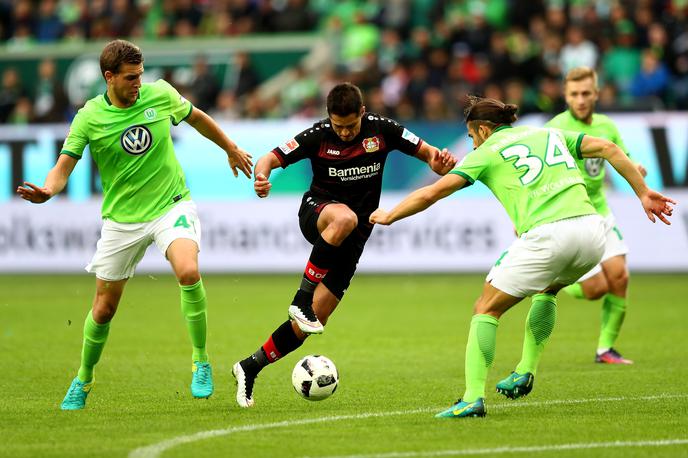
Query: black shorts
point(342, 271)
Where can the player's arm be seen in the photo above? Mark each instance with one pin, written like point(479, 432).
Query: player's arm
point(440, 161)
point(420, 199)
point(654, 203)
point(264, 167)
point(206, 126)
point(54, 182)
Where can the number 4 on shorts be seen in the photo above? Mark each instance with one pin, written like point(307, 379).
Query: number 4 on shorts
point(181, 221)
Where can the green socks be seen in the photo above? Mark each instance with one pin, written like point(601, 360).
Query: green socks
point(194, 307)
point(539, 326)
point(575, 290)
point(613, 313)
point(95, 336)
point(480, 351)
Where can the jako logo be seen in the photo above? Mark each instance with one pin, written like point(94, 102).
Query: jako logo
point(333, 152)
point(352, 171)
point(136, 140)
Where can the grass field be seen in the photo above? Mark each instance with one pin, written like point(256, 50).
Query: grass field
point(398, 342)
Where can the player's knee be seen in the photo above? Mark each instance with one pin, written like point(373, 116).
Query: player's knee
point(618, 282)
point(104, 309)
point(347, 222)
point(188, 275)
point(594, 290)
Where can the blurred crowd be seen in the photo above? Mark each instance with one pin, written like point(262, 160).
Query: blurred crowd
point(414, 59)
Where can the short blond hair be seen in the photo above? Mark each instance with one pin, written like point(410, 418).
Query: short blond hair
point(580, 74)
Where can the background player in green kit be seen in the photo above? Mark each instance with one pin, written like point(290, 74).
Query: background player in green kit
point(533, 174)
point(609, 279)
point(145, 200)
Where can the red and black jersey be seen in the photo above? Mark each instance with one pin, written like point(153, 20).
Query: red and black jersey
point(349, 172)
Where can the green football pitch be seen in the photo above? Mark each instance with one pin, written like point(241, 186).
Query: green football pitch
point(398, 342)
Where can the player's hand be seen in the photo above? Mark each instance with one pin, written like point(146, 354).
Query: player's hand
point(380, 216)
point(34, 194)
point(442, 161)
point(641, 169)
point(240, 159)
point(261, 185)
point(655, 204)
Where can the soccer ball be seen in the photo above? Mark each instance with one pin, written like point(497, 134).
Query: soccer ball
point(315, 377)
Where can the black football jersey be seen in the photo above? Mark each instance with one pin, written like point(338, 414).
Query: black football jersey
point(349, 172)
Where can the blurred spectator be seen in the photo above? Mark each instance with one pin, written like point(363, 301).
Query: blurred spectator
point(50, 100)
point(577, 52)
point(22, 113)
point(301, 92)
point(246, 76)
point(622, 62)
point(292, 16)
point(227, 108)
point(204, 87)
point(390, 51)
point(653, 78)
point(11, 91)
point(359, 40)
point(49, 26)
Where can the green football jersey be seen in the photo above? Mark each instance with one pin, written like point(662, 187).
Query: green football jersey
point(132, 148)
point(532, 173)
point(592, 168)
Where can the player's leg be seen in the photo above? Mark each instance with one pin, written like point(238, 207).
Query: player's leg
point(119, 250)
point(178, 236)
point(613, 310)
point(96, 330)
point(574, 246)
point(539, 325)
point(284, 340)
point(614, 304)
point(480, 351)
point(333, 222)
point(289, 336)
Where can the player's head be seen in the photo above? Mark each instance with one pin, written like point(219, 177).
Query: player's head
point(580, 91)
point(484, 115)
point(345, 109)
point(121, 64)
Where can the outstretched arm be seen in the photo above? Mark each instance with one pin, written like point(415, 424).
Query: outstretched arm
point(420, 199)
point(264, 166)
point(54, 182)
point(654, 203)
point(206, 126)
point(441, 162)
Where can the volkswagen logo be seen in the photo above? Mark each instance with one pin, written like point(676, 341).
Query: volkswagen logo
point(136, 140)
point(594, 166)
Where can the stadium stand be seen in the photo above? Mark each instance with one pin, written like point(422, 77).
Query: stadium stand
point(415, 59)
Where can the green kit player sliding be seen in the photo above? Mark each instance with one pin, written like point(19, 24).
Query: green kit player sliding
point(145, 200)
point(609, 278)
point(533, 174)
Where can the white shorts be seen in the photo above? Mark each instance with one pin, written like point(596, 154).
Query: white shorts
point(122, 245)
point(614, 246)
point(557, 253)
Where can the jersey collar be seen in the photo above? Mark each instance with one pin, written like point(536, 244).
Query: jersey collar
point(109, 102)
point(502, 128)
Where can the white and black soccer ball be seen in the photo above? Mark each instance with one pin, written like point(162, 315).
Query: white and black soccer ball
point(315, 377)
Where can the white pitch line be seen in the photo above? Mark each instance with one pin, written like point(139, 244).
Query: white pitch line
point(526, 449)
point(155, 450)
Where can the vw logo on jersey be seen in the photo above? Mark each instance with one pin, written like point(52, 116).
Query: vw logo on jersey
point(136, 140)
point(594, 165)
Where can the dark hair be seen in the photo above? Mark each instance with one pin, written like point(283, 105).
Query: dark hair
point(344, 99)
point(489, 111)
point(119, 52)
